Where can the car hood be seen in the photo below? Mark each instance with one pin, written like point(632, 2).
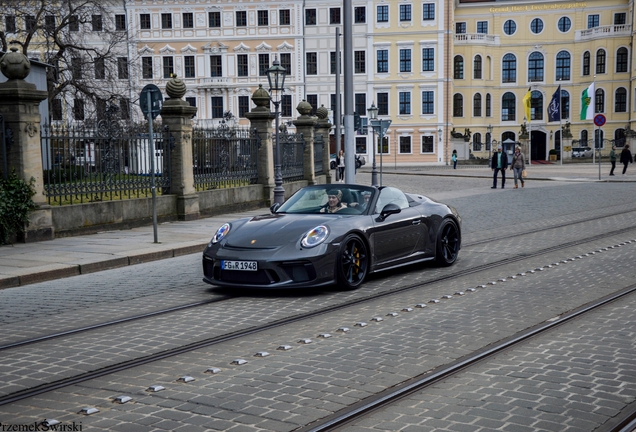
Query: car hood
point(270, 231)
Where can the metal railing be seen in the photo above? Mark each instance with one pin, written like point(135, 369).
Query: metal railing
point(291, 156)
point(318, 152)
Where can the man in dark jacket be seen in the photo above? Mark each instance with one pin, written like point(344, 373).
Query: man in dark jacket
point(499, 163)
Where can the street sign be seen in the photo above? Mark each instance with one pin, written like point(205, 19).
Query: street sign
point(156, 100)
point(599, 120)
point(381, 126)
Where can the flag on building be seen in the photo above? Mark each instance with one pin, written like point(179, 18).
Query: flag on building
point(527, 104)
point(554, 108)
point(587, 103)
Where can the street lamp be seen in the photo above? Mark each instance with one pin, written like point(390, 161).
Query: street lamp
point(276, 77)
point(373, 116)
point(489, 129)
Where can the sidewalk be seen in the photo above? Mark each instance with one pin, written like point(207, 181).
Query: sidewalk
point(22, 264)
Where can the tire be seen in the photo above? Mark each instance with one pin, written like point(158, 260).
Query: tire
point(332, 164)
point(353, 263)
point(358, 163)
point(448, 241)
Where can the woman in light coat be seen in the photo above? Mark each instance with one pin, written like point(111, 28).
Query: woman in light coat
point(518, 165)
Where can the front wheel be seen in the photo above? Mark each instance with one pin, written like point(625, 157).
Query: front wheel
point(353, 262)
point(448, 239)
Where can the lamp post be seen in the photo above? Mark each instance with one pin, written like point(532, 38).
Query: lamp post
point(276, 77)
point(373, 116)
point(489, 129)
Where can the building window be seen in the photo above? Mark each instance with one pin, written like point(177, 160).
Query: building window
point(509, 68)
point(217, 106)
point(243, 105)
point(78, 109)
point(124, 107)
point(29, 22)
point(405, 12)
point(284, 17)
point(620, 18)
point(188, 67)
point(482, 27)
point(428, 59)
point(428, 11)
point(216, 67)
point(510, 27)
point(214, 19)
point(360, 62)
point(600, 61)
point(263, 64)
point(334, 15)
point(166, 21)
point(360, 103)
point(477, 67)
point(49, 23)
point(100, 68)
point(188, 20)
point(10, 27)
point(535, 67)
point(593, 21)
point(311, 63)
point(405, 60)
point(458, 105)
point(56, 109)
point(332, 63)
point(586, 63)
point(383, 103)
point(428, 102)
point(192, 101)
point(460, 28)
point(312, 100)
point(97, 23)
point(536, 105)
point(565, 104)
point(144, 21)
point(286, 106)
point(564, 24)
point(383, 61)
point(241, 18)
point(76, 68)
point(477, 105)
point(428, 144)
point(146, 67)
point(621, 60)
point(508, 107)
point(488, 105)
point(405, 144)
point(458, 69)
point(536, 25)
point(383, 13)
point(620, 100)
point(168, 67)
point(73, 23)
point(359, 15)
point(241, 65)
point(563, 66)
point(332, 103)
point(310, 17)
point(122, 68)
point(361, 144)
point(263, 17)
point(285, 62)
point(599, 98)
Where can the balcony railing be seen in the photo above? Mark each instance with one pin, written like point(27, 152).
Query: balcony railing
point(605, 31)
point(476, 38)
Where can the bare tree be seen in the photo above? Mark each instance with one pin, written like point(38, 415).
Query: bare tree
point(87, 44)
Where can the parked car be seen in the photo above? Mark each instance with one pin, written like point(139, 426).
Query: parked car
point(360, 160)
point(582, 152)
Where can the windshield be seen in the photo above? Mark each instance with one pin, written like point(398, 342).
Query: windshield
point(341, 199)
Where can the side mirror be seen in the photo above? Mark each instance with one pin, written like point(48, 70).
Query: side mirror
point(274, 207)
point(388, 210)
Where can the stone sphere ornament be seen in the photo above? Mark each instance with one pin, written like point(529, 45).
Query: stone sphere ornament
point(322, 112)
point(175, 88)
point(15, 65)
point(304, 107)
point(260, 97)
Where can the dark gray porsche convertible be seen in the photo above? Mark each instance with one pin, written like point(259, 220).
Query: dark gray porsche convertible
point(332, 234)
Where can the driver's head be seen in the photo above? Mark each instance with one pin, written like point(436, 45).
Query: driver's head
point(334, 197)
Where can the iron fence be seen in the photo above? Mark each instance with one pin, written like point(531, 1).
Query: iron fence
point(318, 152)
point(103, 162)
point(224, 157)
point(292, 147)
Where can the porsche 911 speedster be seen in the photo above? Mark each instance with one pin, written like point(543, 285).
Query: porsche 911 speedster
point(332, 234)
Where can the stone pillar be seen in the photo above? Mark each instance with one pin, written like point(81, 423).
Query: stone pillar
point(261, 120)
point(305, 125)
point(323, 127)
point(19, 105)
point(177, 115)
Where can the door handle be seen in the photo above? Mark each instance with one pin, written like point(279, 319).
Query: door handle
point(416, 222)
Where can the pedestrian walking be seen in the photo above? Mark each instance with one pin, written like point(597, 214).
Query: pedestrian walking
point(454, 159)
point(518, 165)
point(340, 166)
point(499, 163)
point(613, 160)
point(626, 157)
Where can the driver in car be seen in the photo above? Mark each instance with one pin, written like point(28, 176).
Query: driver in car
point(334, 202)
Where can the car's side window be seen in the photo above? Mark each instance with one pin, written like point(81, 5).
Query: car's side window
point(391, 195)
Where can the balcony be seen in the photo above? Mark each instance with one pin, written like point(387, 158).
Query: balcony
point(216, 81)
point(477, 38)
point(603, 32)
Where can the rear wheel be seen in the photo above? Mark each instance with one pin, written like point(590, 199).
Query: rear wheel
point(353, 262)
point(447, 243)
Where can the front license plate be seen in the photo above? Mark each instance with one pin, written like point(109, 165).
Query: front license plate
point(239, 265)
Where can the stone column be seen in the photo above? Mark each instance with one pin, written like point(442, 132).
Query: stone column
point(19, 105)
point(177, 115)
point(305, 125)
point(261, 120)
point(323, 127)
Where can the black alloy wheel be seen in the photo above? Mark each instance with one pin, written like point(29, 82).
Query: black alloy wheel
point(447, 243)
point(353, 262)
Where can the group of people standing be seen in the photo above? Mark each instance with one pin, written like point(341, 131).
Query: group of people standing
point(625, 159)
point(499, 163)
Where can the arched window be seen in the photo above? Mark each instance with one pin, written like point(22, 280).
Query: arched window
point(509, 68)
point(458, 105)
point(488, 105)
point(621, 60)
point(537, 105)
point(508, 108)
point(619, 137)
point(506, 136)
point(563, 66)
point(477, 105)
point(477, 67)
point(565, 105)
point(600, 61)
point(458, 70)
point(477, 141)
point(620, 100)
point(586, 63)
point(583, 140)
point(599, 98)
point(599, 136)
point(535, 67)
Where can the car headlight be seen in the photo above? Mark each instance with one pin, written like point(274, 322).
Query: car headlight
point(220, 234)
point(315, 236)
